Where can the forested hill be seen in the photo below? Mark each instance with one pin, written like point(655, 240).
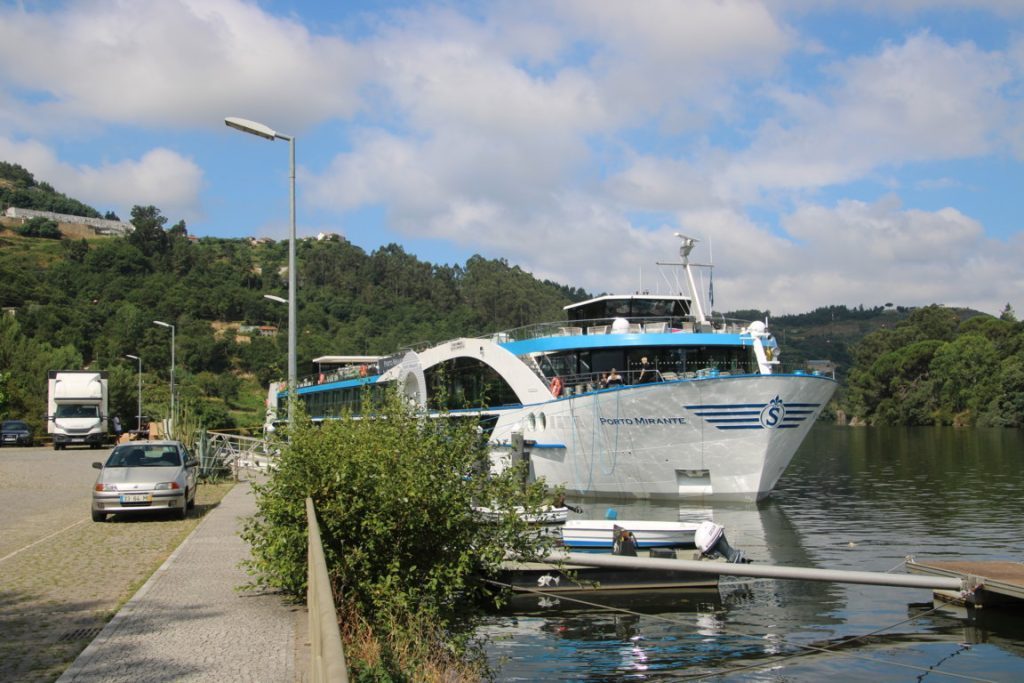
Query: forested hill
point(88, 303)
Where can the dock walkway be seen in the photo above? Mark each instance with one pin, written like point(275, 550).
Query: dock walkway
point(995, 581)
point(189, 622)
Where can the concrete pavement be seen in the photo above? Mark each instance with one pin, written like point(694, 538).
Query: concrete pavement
point(189, 622)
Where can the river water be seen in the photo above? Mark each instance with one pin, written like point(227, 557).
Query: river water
point(853, 498)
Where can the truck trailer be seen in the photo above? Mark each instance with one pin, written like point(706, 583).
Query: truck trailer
point(77, 408)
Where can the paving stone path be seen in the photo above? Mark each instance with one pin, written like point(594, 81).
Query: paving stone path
point(62, 578)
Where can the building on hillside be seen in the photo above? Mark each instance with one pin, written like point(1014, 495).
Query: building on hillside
point(101, 226)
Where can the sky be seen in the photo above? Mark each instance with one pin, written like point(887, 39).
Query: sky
point(822, 151)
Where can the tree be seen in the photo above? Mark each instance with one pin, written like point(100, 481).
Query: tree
point(149, 236)
point(40, 227)
point(1008, 314)
point(966, 375)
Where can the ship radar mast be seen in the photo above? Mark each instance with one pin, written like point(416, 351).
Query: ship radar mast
point(688, 243)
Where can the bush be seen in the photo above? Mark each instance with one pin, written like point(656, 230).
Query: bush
point(40, 227)
point(394, 496)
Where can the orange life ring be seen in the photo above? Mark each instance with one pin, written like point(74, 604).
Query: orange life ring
point(556, 387)
point(362, 371)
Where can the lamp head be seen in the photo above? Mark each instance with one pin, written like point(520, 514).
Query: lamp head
point(247, 126)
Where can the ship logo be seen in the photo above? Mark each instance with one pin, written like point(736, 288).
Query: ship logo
point(774, 414)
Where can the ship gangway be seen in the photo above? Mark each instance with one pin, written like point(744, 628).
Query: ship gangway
point(235, 453)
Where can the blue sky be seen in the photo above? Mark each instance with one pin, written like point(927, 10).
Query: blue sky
point(824, 152)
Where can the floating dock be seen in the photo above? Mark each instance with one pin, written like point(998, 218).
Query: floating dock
point(986, 583)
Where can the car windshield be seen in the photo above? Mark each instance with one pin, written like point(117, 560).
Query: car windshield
point(14, 424)
point(144, 456)
point(77, 411)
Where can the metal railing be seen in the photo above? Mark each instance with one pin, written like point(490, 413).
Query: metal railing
point(220, 452)
point(327, 657)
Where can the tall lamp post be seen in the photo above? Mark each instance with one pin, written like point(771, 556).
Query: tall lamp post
point(247, 126)
point(139, 416)
point(161, 323)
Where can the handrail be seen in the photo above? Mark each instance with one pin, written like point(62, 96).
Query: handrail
point(234, 452)
point(327, 656)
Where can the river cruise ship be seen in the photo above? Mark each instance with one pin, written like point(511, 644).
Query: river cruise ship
point(639, 395)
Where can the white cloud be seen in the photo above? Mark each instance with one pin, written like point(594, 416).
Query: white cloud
point(857, 252)
point(918, 101)
point(160, 177)
point(676, 59)
point(175, 63)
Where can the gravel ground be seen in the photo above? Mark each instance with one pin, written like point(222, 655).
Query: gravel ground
point(62, 576)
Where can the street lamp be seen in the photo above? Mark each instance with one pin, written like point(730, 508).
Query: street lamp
point(161, 323)
point(139, 416)
point(247, 126)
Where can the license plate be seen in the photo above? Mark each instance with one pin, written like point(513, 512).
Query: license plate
point(136, 498)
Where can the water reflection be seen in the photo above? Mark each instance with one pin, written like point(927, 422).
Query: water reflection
point(852, 499)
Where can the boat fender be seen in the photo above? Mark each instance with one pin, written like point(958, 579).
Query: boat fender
point(556, 387)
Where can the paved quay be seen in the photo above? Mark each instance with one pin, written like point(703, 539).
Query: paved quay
point(189, 621)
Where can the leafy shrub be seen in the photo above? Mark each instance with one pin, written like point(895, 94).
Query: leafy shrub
point(40, 227)
point(394, 496)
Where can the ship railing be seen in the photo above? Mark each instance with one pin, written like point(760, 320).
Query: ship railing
point(222, 453)
point(636, 325)
point(584, 382)
point(563, 328)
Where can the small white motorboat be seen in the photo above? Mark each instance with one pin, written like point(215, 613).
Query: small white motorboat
point(600, 533)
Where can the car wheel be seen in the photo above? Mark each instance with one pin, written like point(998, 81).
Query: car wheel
point(192, 503)
point(99, 516)
point(183, 512)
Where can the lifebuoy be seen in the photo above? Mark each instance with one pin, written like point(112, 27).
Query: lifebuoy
point(362, 371)
point(556, 387)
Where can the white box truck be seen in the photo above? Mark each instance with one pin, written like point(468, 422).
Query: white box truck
point(77, 408)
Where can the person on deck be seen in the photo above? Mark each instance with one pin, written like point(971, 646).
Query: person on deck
point(647, 372)
point(612, 379)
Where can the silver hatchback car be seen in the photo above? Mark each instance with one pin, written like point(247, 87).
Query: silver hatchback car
point(145, 476)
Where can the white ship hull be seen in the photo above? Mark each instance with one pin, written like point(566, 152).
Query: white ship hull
point(727, 437)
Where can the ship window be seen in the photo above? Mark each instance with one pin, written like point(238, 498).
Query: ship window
point(467, 383)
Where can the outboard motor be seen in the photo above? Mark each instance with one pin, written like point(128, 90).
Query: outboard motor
point(624, 542)
point(710, 540)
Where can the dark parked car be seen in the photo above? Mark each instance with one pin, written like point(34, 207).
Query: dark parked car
point(15, 433)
